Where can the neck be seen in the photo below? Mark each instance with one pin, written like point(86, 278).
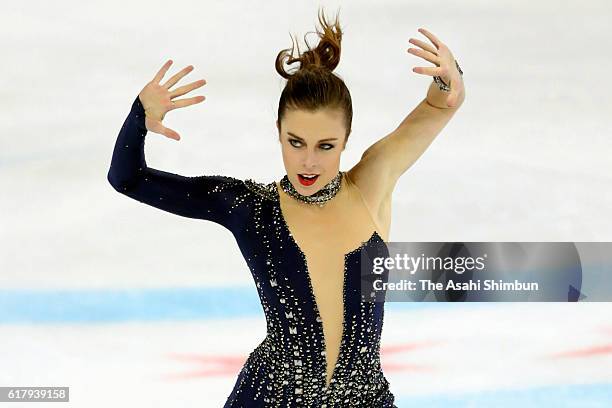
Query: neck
point(322, 196)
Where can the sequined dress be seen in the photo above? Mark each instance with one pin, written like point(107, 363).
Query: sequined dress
point(288, 368)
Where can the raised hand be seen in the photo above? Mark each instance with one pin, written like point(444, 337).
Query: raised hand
point(157, 100)
point(440, 55)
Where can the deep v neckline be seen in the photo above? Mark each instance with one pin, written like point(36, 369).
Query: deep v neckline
point(277, 189)
point(319, 320)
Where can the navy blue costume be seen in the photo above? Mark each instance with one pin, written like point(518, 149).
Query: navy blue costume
point(288, 368)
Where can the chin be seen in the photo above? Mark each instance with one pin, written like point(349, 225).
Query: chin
point(307, 190)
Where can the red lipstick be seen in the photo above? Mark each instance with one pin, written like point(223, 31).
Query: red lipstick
point(307, 181)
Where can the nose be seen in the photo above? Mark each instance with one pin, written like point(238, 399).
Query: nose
point(311, 161)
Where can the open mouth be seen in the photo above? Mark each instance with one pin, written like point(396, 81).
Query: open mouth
point(307, 179)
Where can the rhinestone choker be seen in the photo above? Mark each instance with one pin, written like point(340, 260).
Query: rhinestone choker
point(325, 194)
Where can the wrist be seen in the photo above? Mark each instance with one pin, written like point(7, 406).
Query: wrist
point(444, 82)
point(438, 98)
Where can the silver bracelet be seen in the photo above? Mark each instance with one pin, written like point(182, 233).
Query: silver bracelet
point(440, 82)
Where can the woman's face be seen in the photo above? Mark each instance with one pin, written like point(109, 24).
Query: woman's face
point(311, 143)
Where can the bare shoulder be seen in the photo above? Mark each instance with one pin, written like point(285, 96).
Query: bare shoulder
point(369, 177)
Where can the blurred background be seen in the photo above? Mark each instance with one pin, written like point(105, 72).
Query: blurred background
point(131, 306)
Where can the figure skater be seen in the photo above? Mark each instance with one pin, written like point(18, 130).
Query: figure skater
point(301, 237)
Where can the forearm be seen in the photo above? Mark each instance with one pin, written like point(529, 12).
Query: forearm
point(128, 161)
point(435, 100)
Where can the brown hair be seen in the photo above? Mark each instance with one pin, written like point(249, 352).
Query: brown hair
point(314, 85)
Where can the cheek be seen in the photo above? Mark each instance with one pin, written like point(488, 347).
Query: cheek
point(290, 155)
point(333, 157)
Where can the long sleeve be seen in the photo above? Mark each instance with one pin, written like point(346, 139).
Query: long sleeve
point(213, 198)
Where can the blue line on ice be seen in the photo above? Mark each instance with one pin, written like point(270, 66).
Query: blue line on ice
point(557, 396)
point(120, 305)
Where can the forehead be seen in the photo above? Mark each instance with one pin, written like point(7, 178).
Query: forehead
point(314, 124)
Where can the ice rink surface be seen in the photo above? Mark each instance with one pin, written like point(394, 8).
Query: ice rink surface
point(131, 306)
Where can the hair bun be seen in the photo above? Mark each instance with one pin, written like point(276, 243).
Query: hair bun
point(325, 56)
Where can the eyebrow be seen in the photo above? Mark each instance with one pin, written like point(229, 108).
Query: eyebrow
point(322, 140)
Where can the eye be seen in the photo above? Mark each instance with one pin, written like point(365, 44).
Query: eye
point(295, 142)
point(327, 146)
